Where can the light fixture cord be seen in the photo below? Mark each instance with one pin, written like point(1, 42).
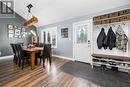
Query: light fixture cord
point(29, 9)
point(29, 12)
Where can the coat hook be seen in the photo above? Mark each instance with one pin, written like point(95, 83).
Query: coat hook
point(113, 25)
point(96, 26)
point(106, 26)
point(123, 23)
point(119, 25)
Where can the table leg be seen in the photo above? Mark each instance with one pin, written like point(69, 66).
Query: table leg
point(32, 55)
point(50, 58)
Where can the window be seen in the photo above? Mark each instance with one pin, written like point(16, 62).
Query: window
point(81, 34)
point(7, 7)
point(49, 36)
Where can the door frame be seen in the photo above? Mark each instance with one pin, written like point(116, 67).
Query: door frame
point(91, 37)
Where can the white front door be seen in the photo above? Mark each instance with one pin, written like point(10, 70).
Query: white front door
point(82, 49)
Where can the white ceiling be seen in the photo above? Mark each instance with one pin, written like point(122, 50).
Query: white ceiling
point(51, 11)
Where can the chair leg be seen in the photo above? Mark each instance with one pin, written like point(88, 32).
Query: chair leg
point(19, 62)
point(49, 61)
point(22, 64)
point(35, 61)
point(40, 60)
point(27, 61)
point(16, 60)
point(43, 63)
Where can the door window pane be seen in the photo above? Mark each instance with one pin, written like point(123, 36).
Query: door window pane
point(81, 34)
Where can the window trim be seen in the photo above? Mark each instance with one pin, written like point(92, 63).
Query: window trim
point(46, 30)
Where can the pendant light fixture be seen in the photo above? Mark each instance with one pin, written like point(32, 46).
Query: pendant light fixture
point(29, 22)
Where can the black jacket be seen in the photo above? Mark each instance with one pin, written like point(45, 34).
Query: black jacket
point(110, 40)
point(100, 39)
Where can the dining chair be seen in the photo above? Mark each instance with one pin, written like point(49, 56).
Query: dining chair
point(14, 53)
point(38, 55)
point(45, 53)
point(18, 54)
point(22, 56)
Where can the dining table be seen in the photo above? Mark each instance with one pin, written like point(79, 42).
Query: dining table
point(32, 51)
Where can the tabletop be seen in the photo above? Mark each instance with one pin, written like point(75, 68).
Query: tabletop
point(33, 49)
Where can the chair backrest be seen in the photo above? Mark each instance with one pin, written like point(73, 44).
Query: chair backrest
point(41, 44)
point(21, 43)
point(16, 48)
point(20, 50)
point(46, 50)
point(13, 48)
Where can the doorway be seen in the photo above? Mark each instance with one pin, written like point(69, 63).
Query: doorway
point(81, 41)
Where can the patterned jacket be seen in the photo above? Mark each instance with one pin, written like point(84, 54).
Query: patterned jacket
point(121, 39)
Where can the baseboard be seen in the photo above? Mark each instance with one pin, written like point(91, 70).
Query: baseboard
point(7, 57)
point(63, 57)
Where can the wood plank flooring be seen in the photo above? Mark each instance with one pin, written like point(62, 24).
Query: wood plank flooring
point(62, 73)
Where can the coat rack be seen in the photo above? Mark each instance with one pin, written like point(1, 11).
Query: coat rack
point(114, 58)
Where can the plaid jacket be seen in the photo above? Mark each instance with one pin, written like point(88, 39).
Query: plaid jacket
point(121, 39)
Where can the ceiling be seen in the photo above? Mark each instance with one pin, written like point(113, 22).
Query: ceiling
point(52, 11)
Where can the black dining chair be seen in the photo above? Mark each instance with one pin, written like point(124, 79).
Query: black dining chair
point(15, 57)
point(16, 53)
point(38, 55)
point(45, 53)
point(23, 57)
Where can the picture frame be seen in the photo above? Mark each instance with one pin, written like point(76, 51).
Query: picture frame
point(10, 31)
point(17, 32)
point(64, 33)
point(23, 29)
point(10, 35)
point(9, 26)
point(15, 27)
point(23, 34)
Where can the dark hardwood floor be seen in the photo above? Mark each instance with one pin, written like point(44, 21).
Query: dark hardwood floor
point(62, 73)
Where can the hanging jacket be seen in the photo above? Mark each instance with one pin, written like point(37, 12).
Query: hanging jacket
point(121, 39)
point(110, 40)
point(100, 39)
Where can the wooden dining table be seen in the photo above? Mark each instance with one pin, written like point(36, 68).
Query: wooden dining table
point(32, 51)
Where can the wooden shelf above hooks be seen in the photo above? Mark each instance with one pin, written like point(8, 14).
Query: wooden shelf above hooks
point(119, 16)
